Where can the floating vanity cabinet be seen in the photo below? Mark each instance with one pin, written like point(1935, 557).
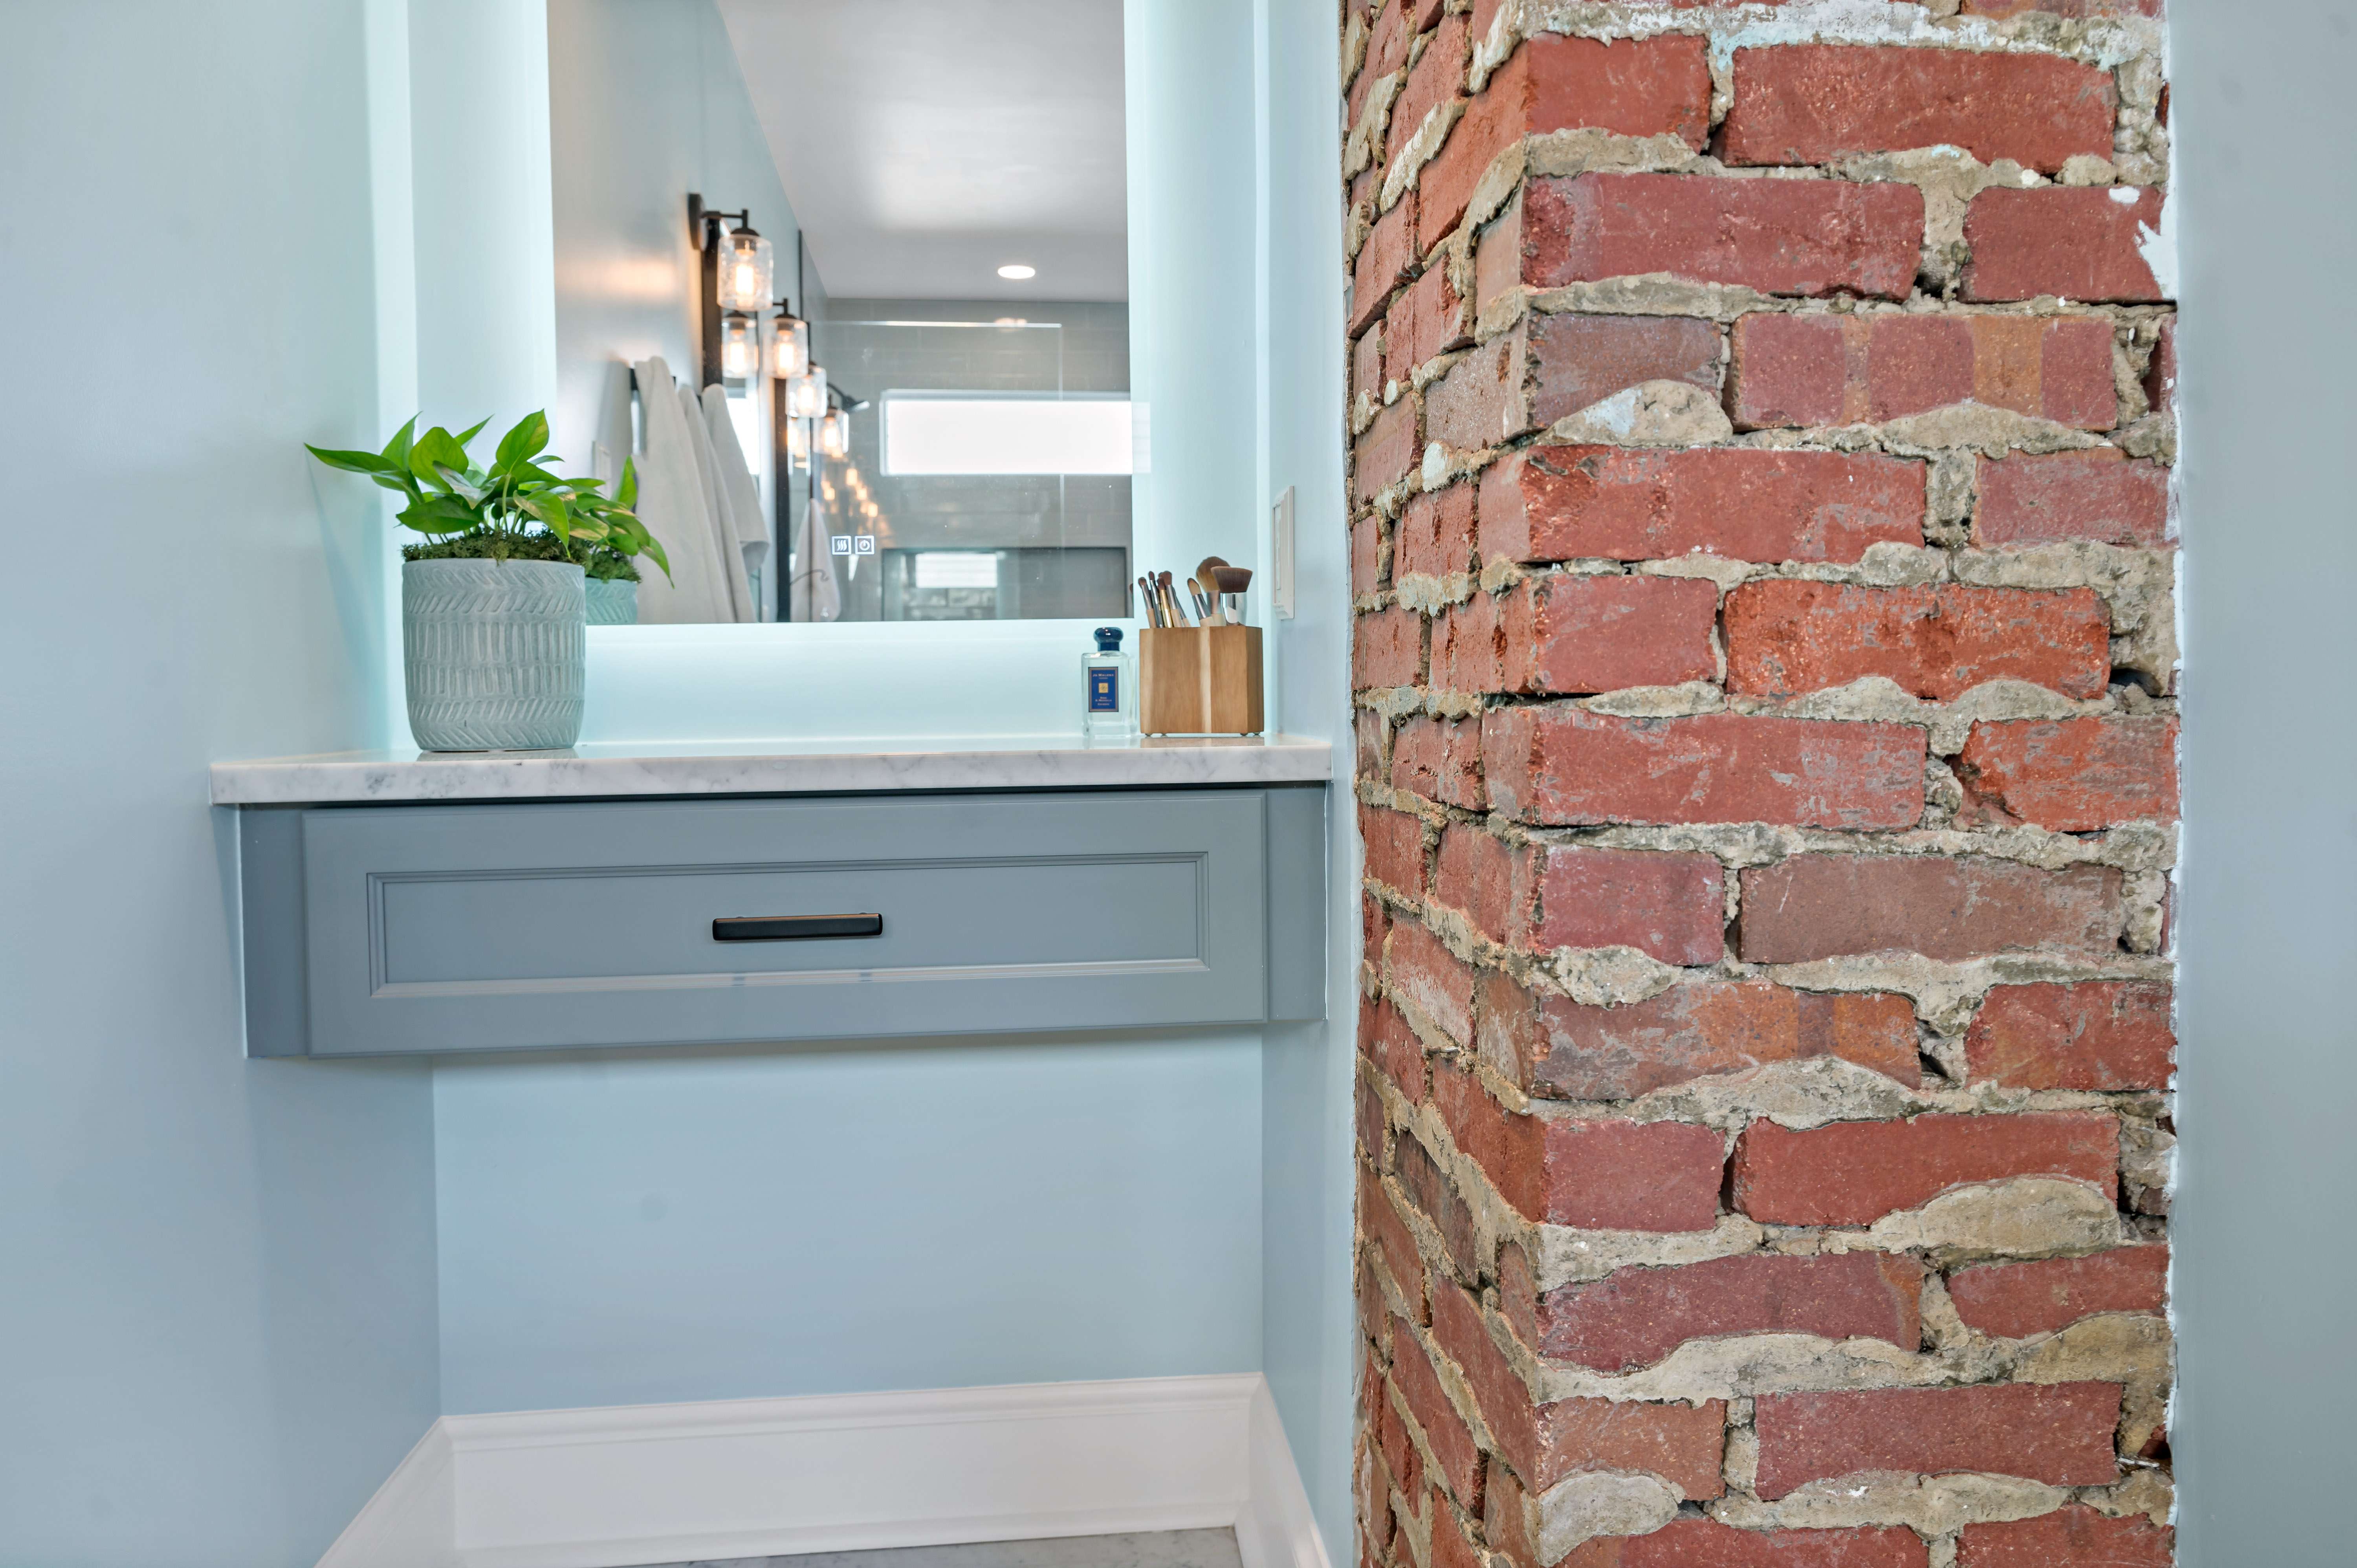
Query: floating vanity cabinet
point(537, 924)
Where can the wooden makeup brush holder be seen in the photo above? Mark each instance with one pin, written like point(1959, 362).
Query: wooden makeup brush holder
point(1198, 680)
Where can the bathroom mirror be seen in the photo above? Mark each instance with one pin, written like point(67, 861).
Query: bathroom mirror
point(940, 191)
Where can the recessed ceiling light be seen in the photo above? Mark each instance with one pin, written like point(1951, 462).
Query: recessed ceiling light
point(1017, 271)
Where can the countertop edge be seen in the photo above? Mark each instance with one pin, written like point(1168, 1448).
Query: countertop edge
point(357, 780)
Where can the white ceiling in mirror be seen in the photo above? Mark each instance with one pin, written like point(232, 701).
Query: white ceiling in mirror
point(927, 144)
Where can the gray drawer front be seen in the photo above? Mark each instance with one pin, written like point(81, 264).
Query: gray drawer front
point(507, 927)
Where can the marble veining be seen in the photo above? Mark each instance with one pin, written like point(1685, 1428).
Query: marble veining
point(770, 768)
point(1156, 1549)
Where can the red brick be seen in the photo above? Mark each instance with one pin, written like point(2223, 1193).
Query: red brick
point(1778, 236)
point(1632, 87)
point(2013, 1301)
point(1498, 255)
point(1848, 369)
point(1854, 1173)
point(1395, 843)
point(1697, 1031)
point(1821, 906)
point(2097, 1035)
point(1385, 1040)
point(1367, 731)
point(1452, 1445)
point(1431, 1195)
point(1437, 76)
point(1573, 634)
point(2160, 373)
point(2060, 1433)
point(1436, 533)
point(1467, 652)
point(1633, 1317)
point(1366, 555)
point(1607, 1176)
point(1684, 1446)
point(1380, 1223)
point(1565, 765)
point(1428, 317)
point(1451, 1549)
point(1815, 103)
point(1560, 503)
point(1387, 45)
point(1672, 907)
point(1423, 14)
point(1369, 1113)
point(1430, 976)
point(2070, 775)
point(2100, 494)
point(1786, 636)
point(2073, 1537)
point(1504, 1524)
point(1387, 452)
point(1367, 365)
point(1374, 925)
point(1399, 1451)
point(1707, 1543)
point(1440, 759)
point(1485, 397)
point(2077, 242)
point(1491, 881)
point(1384, 261)
point(1579, 360)
point(1387, 649)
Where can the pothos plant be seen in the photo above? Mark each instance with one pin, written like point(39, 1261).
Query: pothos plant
point(513, 509)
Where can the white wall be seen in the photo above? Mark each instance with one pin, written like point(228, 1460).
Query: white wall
point(1308, 1322)
point(2265, 1239)
point(216, 1276)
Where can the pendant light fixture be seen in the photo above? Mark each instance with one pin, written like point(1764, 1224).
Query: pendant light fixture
point(789, 345)
point(744, 272)
point(834, 434)
point(806, 394)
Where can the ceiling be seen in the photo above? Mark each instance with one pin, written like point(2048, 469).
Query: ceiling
point(926, 142)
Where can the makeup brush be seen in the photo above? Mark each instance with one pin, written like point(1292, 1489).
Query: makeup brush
point(1205, 610)
point(1231, 582)
point(1146, 607)
point(1170, 600)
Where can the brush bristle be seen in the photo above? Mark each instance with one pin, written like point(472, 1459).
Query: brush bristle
point(1232, 579)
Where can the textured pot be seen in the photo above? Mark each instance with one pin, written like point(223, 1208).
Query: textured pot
point(613, 603)
point(493, 653)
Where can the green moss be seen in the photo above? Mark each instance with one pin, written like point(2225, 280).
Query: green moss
point(500, 546)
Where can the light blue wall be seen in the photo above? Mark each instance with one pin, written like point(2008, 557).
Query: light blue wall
point(218, 1295)
point(1307, 1071)
point(732, 1225)
point(2265, 1239)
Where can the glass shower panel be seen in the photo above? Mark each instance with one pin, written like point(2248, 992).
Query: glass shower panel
point(922, 518)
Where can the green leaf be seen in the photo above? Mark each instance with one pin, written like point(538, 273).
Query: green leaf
point(550, 510)
point(469, 434)
point(654, 553)
point(350, 462)
point(628, 492)
point(435, 452)
point(521, 445)
point(396, 451)
point(440, 514)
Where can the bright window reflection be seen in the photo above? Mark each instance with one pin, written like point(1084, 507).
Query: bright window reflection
point(1005, 436)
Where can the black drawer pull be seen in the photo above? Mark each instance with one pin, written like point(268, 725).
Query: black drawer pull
point(793, 928)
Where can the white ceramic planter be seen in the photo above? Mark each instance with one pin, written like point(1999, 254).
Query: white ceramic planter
point(493, 653)
point(612, 602)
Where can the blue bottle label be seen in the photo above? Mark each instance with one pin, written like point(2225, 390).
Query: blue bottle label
point(1104, 690)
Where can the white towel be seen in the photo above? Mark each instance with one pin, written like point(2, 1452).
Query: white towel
point(716, 508)
point(740, 495)
point(671, 504)
point(813, 596)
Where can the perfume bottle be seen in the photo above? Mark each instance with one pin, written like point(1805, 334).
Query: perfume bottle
point(1109, 706)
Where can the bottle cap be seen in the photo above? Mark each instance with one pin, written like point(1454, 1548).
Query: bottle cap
point(1108, 638)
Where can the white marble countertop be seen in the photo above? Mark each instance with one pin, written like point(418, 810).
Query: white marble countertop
point(770, 768)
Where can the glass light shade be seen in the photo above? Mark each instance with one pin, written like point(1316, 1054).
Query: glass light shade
point(834, 434)
point(806, 394)
point(789, 348)
point(740, 348)
point(744, 272)
point(798, 443)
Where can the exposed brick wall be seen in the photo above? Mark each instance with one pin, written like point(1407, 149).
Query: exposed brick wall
point(1767, 770)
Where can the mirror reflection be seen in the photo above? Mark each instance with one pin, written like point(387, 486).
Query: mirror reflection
point(845, 287)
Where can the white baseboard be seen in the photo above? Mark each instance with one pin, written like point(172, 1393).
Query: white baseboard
point(628, 1484)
